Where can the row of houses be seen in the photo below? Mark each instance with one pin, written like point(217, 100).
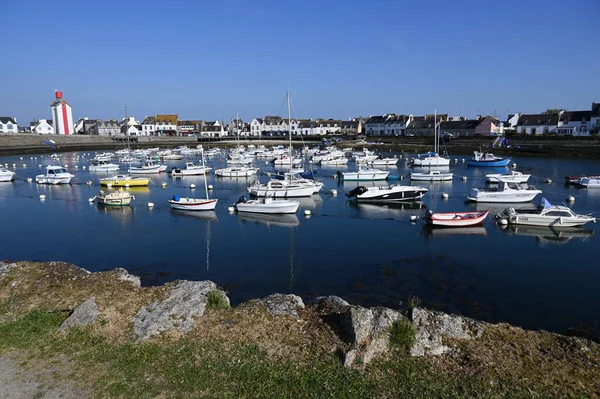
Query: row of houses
point(559, 122)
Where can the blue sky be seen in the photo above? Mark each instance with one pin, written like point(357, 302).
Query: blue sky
point(210, 59)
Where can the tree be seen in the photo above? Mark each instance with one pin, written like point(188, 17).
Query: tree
point(553, 111)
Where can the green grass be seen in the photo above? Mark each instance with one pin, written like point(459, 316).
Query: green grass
point(185, 367)
point(216, 301)
point(402, 334)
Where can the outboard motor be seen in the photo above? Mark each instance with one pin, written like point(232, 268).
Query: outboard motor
point(176, 198)
point(357, 191)
point(242, 199)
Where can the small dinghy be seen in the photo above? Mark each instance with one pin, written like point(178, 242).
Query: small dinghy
point(456, 219)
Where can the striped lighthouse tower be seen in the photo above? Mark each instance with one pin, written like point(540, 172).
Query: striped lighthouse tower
point(62, 118)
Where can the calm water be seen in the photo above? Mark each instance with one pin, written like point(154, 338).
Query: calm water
point(368, 254)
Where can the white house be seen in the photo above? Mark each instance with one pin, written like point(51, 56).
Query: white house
point(575, 123)
point(131, 127)
point(308, 127)
point(212, 129)
point(375, 125)
point(396, 124)
point(537, 123)
point(148, 126)
point(42, 126)
point(595, 117)
point(8, 125)
point(329, 126)
point(109, 127)
point(256, 127)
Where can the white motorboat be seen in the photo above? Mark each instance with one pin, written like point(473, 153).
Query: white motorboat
point(103, 166)
point(338, 161)
point(546, 214)
point(194, 204)
point(116, 198)
point(172, 157)
point(105, 156)
point(504, 192)
point(430, 159)
point(125, 181)
point(365, 174)
point(290, 186)
point(383, 162)
point(432, 175)
point(54, 175)
point(6, 175)
point(236, 171)
point(590, 182)
point(266, 205)
point(190, 169)
point(285, 160)
point(513, 176)
point(147, 167)
point(392, 193)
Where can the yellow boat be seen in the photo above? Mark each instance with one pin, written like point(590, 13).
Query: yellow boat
point(125, 181)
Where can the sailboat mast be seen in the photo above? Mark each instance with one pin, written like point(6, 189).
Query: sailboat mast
point(435, 139)
point(290, 130)
point(204, 170)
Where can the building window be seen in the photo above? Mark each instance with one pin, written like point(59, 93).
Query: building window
point(9, 126)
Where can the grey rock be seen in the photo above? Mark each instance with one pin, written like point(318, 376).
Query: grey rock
point(124, 275)
point(367, 332)
point(280, 304)
point(85, 314)
point(186, 301)
point(327, 305)
point(5, 267)
point(433, 326)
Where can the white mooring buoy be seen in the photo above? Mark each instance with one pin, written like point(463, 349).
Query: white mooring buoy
point(307, 212)
point(570, 198)
point(548, 181)
point(231, 209)
point(42, 197)
point(210, 187)
point(92, 199)
point(464, 178)
point(413, 218)
point(163, 184)
point(514, 165)
point(333, 192)
point(192, 185)
point(29, 179)
point(150, 204)
point(444, 195)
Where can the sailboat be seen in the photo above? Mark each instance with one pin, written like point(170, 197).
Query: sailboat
point(194, 204)
point(432, 158)
point(239, 169)
point(293, 185)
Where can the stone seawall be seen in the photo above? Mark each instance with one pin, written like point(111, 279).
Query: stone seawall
point(35, 143)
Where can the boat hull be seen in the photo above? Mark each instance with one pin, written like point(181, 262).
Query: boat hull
point(42, 179)
point(365, 176)
point(125, 182)
point(499, 197)
point(107, 201)
point(456, 219)
point(431, 177)
point(270, 207)
point(496, 163)
point(193, 204)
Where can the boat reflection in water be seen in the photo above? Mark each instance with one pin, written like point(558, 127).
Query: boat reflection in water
point(387, 210)
point(549, 235)
point(124, 214)
point(210, 216)
point(440, 231)
point(280, 220)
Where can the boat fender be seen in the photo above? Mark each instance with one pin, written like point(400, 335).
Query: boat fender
point(176, 198)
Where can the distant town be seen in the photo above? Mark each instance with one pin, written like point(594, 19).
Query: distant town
point(550, 122)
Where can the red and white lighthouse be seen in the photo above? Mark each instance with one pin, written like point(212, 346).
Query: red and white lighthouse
point(62, 118)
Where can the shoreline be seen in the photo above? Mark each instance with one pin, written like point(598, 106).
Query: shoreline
point(552, 147)
point(103, 322)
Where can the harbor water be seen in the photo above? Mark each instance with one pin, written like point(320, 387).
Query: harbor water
point(534, 277)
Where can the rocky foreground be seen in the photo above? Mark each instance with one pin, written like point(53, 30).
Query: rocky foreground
point(112, 307)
